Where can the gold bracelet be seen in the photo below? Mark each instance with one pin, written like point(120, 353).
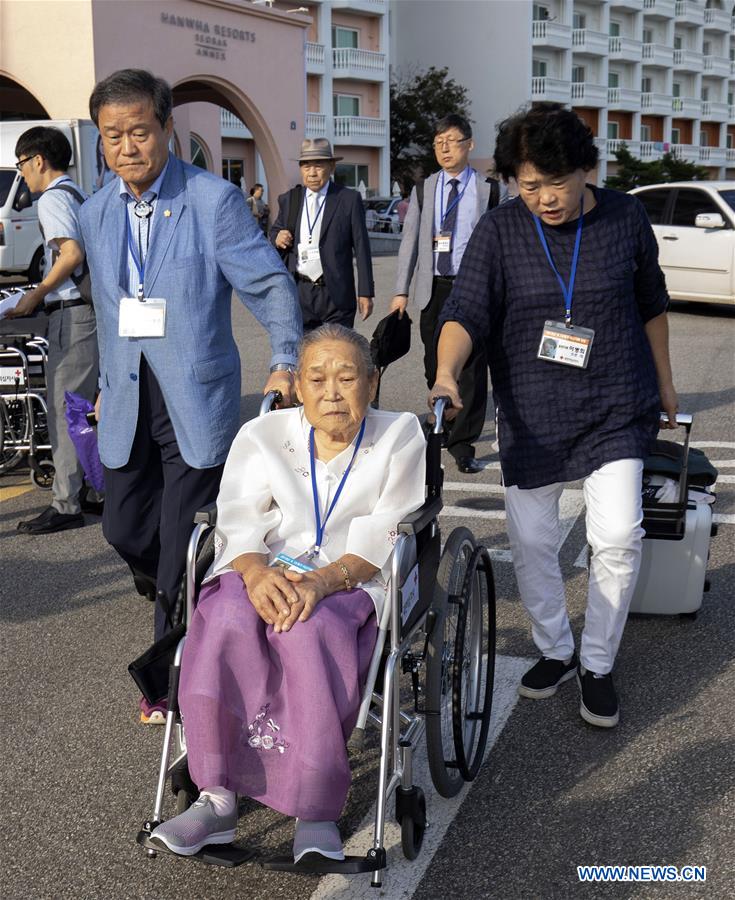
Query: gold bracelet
point(345, 574)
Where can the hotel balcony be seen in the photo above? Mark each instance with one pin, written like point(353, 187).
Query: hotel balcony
point(718, 20)
point(731, 113)
point(371, 7)
point(554, 89)
point(688, 60)
point(659, 9)
point(231, 127)
point(550, 34)
point(686, 152)
point(651, 150)
point(586, 94)
point(314, 58)
point(714, 111)
point(629, 5)
point(591, 43)
point(712, 156)
point(689, 13)
point(613, 145)
point(716, 66)
point(315, 125)
point(624, 99)
point(730, 156)
point(658, 55)
point(625, 49)
point(656, 104)
point(362, 130)
point(686, 107)
point(351, 62)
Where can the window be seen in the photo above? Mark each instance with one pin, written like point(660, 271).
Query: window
point(7, 177)
point(351, 174)
point(538, 67)
point(646, 85)
point(677, 42)
point(707, 48)
point(613, 79)
point(703, 139)
point(676, 89)
point(577, 74)
point(540, 13)
point(344, 37)
point(645, 132)
point(614, 29)
point(232, 170)
point(654, 203)
point(675, 135)
point(728, 142)
point(579, 20)
point(612, 131)
point(647, 36)
point(689, 203)
point(198, 153)
point(705, 93)
point(346, 105)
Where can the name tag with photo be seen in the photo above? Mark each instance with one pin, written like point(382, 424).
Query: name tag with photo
point(308, 253)
point(566, 344)
point(142, 318)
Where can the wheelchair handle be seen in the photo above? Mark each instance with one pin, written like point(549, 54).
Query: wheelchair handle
point(440, 404)
point(684, 419)
point(269, 401)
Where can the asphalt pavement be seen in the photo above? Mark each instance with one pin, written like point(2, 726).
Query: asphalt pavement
point(78, 771)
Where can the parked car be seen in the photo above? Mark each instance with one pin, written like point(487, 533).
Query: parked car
point(381, 214)
point(694, 224)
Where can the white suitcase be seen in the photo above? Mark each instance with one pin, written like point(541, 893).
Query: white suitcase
point(675, 551)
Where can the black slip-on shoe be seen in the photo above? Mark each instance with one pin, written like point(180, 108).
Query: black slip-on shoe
point(542, 680)
point(599, 702)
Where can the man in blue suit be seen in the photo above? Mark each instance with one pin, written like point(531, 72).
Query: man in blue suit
point(319, 226)
point(166, 244)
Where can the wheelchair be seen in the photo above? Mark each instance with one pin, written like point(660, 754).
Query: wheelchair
point(439, 620)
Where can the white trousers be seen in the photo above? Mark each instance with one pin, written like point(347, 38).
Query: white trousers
point(612, 495)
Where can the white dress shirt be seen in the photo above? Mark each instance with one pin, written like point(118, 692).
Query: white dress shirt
point(314, 201)
point(266, 505)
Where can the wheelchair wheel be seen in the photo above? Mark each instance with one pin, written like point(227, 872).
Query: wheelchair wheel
point(14, 428)
point(440, 662)
point(473, 675)
point(43, 478)
point(411, 814)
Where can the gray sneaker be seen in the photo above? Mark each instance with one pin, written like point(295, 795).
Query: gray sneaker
point(200, 825)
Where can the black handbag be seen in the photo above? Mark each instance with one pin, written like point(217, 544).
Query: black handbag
point(150, 671)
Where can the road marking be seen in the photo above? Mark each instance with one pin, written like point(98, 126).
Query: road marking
point(462, 512)
point(723, 463)
point(724, 518)
point(725, 479)
point(727, 445)
point(473, 487)
point(402, 877)
point(7, 493)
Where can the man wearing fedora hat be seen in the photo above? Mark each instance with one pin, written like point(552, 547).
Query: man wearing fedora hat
point(319, 226)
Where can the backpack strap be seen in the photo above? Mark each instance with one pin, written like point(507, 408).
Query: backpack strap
point(68, 189)
point(83, 280)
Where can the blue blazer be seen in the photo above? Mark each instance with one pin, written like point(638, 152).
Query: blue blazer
point(209, 245)
point(343, 231)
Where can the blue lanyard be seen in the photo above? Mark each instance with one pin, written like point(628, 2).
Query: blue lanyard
point(321, 526)
point(443, 215)
point(567, 290)
point(309, 224)
point(138, 257)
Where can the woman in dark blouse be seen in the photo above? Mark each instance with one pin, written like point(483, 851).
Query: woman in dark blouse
point(562, 285)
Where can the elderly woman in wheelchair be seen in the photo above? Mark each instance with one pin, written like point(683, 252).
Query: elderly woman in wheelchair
point(285, 625)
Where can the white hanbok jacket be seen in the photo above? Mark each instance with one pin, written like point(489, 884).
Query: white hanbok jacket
point(266, 505)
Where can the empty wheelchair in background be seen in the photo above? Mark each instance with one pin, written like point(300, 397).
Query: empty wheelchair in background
point(437, 627)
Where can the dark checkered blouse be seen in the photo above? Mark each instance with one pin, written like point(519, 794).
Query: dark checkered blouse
point(557, 423)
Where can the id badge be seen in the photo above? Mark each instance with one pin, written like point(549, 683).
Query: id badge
point(568, 345)
point(296, 562)
point(142, 318)
point(443, 242)
point(308, 253)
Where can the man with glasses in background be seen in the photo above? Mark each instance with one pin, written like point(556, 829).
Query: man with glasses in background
point(442, 213)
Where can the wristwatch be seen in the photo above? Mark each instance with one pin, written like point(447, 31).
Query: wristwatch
point(283, 367)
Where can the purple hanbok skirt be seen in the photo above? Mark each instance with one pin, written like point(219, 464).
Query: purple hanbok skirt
point(268, 715)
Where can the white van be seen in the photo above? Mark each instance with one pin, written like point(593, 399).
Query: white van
point(21, 249)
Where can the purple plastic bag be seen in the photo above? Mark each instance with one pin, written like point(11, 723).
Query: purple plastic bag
point(84, 438)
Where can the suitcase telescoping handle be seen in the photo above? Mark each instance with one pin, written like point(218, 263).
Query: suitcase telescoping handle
point(686, 420)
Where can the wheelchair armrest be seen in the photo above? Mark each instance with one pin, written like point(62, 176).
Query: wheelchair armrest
point(207, 515)
point(424, 515)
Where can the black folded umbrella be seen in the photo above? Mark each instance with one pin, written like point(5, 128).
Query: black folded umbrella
point(391, 339)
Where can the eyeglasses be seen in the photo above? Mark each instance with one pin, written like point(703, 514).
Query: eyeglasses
point(21, 162)
point(449, 142)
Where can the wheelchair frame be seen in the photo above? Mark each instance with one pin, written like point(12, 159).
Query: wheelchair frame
point(400, 731)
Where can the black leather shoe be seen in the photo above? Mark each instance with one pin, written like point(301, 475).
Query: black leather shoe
point(469, 465)
point(51, 520)
point(94, 508)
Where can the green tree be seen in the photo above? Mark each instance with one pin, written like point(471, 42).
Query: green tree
point(417, 101)
point(633, 172)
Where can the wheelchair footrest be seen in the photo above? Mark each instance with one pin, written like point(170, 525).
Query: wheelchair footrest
point(228, 855)
point(316, 864)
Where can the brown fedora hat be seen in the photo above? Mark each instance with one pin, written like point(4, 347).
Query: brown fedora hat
point(315, 149)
